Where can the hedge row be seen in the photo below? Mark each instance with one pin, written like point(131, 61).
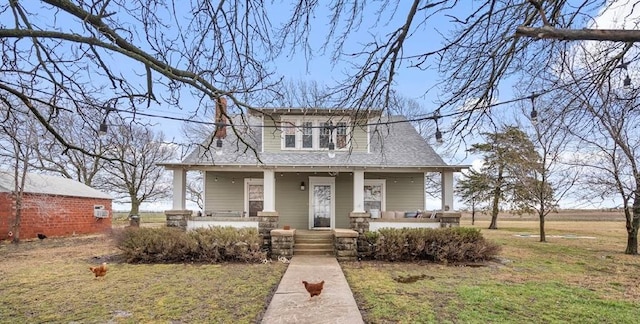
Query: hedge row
point(171, 245)
point(456, 244)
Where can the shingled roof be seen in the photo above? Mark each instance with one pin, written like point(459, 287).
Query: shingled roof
point(393, 143)
point(50, 185)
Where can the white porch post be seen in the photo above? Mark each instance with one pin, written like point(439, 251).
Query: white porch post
point(269, 183)
point(447, 189)
point(358, 191)
point(179, 189)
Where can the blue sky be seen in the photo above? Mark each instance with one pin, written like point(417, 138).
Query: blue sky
point(410, 82)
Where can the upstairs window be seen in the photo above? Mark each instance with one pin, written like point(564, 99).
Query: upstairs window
point(307, 135)
point(341, 135)
point(313, 134)
point(325, 134)
point(289, 137)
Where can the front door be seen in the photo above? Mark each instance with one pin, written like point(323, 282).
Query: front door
point(321, 202)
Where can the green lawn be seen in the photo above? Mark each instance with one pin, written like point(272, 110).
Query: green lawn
point(49, 281)
point(563, 281)
point(566, 280)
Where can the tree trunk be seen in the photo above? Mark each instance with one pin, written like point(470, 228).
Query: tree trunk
point(496, 201)
point(543, 237)
point(473, 216)
point(135, 207)
point(15, 229)
point(633, 222)
point(541, 213)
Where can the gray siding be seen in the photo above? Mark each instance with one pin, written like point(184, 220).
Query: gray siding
point(227, 193)
point(402, 193)
point(271, 136)
point(291, 203)
point(344, 199)
point(359, 137)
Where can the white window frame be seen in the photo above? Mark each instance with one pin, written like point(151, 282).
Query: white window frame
point(316, 124)
point(383, 194)
point(247, 183)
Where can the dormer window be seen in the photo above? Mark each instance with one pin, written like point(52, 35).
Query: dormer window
point(313, 133)
point(289, 137)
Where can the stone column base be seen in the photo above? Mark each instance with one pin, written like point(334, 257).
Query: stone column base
point(177, 218)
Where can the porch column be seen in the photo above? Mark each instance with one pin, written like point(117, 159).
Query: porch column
point(447, 190)
point(269, 183)
point(179, 189)
point(358, 191)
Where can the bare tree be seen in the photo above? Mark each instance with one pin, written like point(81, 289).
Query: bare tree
point(133, 174)
point(17, 135)
point(607, 122)
point(54, 158)
point(550, 179)
point(73, 56)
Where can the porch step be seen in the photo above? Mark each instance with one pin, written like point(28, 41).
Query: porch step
point(313, 243)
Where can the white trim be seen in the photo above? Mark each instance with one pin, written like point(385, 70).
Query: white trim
point(380, 182)
point(447, 190)
point(247, 182)
point(316, 130)
point(269, 186)
point(179, 189)
point(375, 226)
point(204, 190)
point(331, 181)
point(368, 138)
point(358, 191)
point(262, 134)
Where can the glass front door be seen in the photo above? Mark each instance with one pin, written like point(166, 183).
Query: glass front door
point(321, 205)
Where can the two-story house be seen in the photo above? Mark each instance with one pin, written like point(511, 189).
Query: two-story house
point(314, 168)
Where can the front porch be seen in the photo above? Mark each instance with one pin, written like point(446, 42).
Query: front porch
point(341, 242)
point(321, 199)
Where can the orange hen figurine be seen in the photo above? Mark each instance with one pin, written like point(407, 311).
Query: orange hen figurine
point(99, 271)
point(314, 289)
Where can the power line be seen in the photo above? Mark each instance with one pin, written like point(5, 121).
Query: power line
point(380, 123)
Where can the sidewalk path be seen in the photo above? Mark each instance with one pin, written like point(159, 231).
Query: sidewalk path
point(291, 303)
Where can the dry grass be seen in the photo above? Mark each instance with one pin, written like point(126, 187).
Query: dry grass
point(49, 281)
point(579, 276)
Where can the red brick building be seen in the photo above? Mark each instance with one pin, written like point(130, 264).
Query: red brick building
point(53, 206)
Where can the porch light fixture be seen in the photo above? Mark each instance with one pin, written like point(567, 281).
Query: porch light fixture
point(219, 147)
point(103, 125)
point(103, 129)
point(302, 186)
point(534, 113)
point(439, 139)
point(627, 80)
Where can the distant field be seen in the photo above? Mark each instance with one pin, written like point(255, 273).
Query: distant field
point(146, 218)
point(562, 215)
point(579, 276)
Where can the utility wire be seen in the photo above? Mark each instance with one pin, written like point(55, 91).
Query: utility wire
point(284, 124)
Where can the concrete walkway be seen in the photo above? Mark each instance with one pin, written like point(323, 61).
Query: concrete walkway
point(291, 303)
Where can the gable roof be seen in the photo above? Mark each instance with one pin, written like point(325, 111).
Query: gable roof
point(394, 142)
point(50, 185)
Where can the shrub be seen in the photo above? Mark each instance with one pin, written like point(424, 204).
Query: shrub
point(456, 244)
point(170, 245)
